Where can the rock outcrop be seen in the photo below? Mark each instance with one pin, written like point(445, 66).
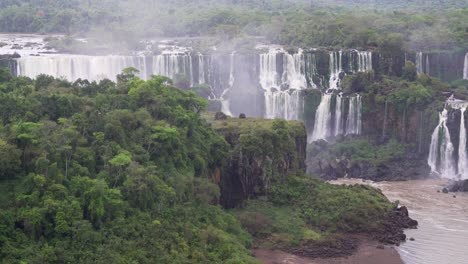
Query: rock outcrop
point(261, 152)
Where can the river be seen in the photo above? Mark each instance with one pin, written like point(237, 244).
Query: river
point(442, 234)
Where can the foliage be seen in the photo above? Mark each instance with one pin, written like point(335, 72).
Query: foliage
point(387, 25)
point(301, 209)
point(363, 150)
point(111, 172)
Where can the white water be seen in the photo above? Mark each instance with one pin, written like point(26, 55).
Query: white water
point(335, 69)
point(419, 63)
point(441, 150)
point(73, 67)
point(282, 89)
point(170, 65)
point(462, 150)
point(201, 69)
point(353, 123)
point(338, 115)
point(465, 67)
point(322, 119)
point(325, 121)
point(364, 61)
point(225, 103)
point(422, 63)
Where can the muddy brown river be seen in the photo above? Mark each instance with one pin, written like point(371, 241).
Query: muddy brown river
point(442, 234)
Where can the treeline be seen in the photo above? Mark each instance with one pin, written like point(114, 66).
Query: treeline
point(298, 23)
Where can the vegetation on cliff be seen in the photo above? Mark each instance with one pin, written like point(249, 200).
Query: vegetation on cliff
point(262, 152)
point(304, 215)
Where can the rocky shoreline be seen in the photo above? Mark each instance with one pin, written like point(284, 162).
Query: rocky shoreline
point(367, 251)
point(348, 244)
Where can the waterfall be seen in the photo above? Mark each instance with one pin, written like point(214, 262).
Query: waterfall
point(201, 69)
point(310, 69)
point(225, 104)
point(422, 63)
point(465, 67)
point(354, 120)
point(426, 70)
point(170, 65)
point(364, 61)
point(282, 85)
point(322, 119)
point(419, 63)
point(441, 150)
point(338, 116)
point(335, 69)
point(462, 150)
point(325, 121)
point(73, 67)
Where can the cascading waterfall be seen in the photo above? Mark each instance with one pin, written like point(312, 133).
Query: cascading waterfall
point(322, 119)
point(335, 69)
point(462, 150)
point(170, 65)
point(353, 123)
point(426, 70)
point(364, 61)
point(338, 118)
point(419, 62)
point(465, 67)
point(311, 69)
point(441, 150)
point(282, 89)
point(225, 107)
point(325, 121)
point(201, 69)
point(422, 63)
point(73, 67)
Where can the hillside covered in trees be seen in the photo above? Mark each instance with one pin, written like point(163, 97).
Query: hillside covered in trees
point(357, 24)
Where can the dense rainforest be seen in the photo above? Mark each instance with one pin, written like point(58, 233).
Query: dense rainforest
point(413, 25)
point(129, 172)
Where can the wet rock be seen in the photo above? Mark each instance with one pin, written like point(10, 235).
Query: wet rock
point(220, 116)
point(403, 210)
point(380, 247)
point(10, 56)
point(445, 190)
point(412, 239)
point(242, 116)
point(458, 186)
point(392, 231)
point(454, 196)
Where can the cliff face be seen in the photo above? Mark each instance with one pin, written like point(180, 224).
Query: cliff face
point(262, 151)
point(6, 61)
point(398, 120)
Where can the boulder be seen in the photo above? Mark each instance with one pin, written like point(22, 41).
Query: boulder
point(220, 116)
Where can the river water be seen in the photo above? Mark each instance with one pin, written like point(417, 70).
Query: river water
point(442, 234)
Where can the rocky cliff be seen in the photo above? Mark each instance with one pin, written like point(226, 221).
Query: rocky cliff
point(261, 151)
